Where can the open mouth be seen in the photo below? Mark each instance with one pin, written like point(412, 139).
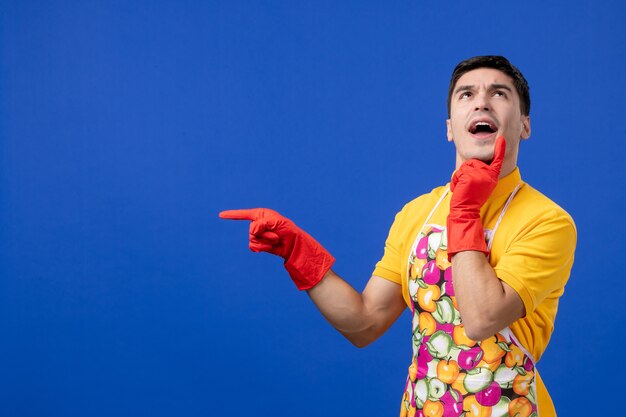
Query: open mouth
point(482, 128)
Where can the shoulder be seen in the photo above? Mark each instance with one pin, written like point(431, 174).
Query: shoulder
point(425, 202)
point(532, 206)
point(535, 221)
point(415, 212)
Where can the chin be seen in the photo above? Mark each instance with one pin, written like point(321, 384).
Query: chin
point(486, 157)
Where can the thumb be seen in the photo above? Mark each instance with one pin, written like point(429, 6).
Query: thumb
point(245, 214)
point(498, 154)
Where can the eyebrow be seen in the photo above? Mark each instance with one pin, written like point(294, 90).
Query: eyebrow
point(491, 87)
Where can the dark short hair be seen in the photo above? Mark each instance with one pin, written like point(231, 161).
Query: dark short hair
point(501, 64)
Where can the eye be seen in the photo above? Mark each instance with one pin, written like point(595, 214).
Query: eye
point(499, 93)
point(465, 95)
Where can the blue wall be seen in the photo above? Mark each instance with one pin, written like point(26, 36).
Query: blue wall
point(126, 126)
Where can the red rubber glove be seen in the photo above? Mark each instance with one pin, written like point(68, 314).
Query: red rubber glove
point(306, 260)
point(471, 186)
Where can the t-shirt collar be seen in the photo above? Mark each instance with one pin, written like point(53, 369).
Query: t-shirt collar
point(508, 183)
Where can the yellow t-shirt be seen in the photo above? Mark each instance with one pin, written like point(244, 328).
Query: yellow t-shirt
point(532, 251)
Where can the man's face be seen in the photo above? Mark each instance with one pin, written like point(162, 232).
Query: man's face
point(484, 106)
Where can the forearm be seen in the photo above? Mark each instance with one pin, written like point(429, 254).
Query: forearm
point(359, 317)
point(487, 305)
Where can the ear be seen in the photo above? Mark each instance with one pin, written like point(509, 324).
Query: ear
point(449, 131)
point(525, 127)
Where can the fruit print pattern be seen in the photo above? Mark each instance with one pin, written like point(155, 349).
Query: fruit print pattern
point(452, 375)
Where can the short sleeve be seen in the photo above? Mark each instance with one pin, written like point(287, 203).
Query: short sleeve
point(537, 263)
point(388, 266)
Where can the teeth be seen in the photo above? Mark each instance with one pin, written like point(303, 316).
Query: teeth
point(481, 123)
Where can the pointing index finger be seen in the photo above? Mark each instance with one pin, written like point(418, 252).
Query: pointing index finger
point(245, 214)
point(498, 153)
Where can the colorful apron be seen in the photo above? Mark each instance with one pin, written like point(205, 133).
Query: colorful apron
point(452, 375)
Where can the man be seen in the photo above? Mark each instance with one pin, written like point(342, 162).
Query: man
point(480, 262)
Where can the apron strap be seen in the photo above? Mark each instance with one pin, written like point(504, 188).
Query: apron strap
point(507, 333)
point(506, 206)
point(445, 193)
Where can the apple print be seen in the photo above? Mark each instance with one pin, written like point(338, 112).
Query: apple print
point(452, 403)
point(424, 353)
point(434, 240)
point(478, 379)
point(422, 248)
point(468, 359)
point(504, 376)
point(490, 395)
point(437, 389)
point(439, 344)
point(501, 409)
point(431, 274)
point(444, 310)
point(421, 392)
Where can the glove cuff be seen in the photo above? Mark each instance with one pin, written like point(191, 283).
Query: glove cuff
point(308, 262)
point(465, 232)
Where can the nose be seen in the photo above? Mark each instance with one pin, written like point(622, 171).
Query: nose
point(482, 102)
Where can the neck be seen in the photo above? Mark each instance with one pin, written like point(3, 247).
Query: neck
point(507, 169)
point(508, 165)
